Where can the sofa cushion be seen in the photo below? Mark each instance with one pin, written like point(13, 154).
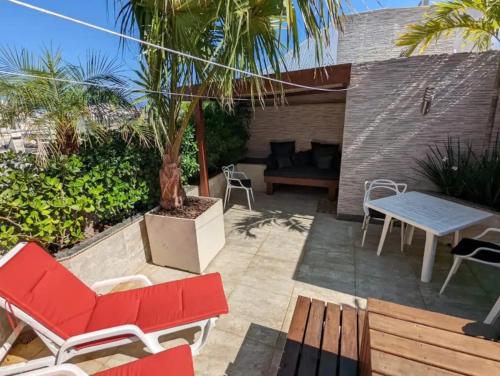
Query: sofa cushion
point(302, 158)
point(321, 151)
point(284, 161)
point(282, 148)
point(304, 172)
point(324, 162)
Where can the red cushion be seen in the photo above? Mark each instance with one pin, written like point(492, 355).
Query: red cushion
point(162, 306)
point(174, 362)
point(35, 282)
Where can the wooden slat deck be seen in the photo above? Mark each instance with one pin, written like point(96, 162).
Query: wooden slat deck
point(322, 340)
point(387, 339)
point(406, 341)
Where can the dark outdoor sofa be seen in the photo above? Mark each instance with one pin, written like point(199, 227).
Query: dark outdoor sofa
point(316, 167)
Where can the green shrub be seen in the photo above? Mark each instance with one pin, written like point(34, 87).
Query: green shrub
point(57, 204)
point(226, 135)
point(460, 171)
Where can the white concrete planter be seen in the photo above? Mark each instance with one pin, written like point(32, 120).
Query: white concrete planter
point(186, 244)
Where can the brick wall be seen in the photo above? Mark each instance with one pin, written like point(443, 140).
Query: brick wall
point(370, 36)
point(302, 123)
point(384, 130)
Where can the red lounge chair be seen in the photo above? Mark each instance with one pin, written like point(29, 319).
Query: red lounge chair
point(173, 362)
point(73, 319)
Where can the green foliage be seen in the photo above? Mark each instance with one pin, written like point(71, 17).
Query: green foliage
point(58, 203)
point(189, 155)
point(226, 135)
point(74, 114)
point(461, 172)
point(477, 20)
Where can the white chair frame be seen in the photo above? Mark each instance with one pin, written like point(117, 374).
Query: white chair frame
point(233, 181)
point(494, 313)
point(61, 370)
point(457, 261)
point(380, 184)
point(63, 350)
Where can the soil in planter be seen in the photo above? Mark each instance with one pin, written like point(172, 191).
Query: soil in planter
point(193, 207)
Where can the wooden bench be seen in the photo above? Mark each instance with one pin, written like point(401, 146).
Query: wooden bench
point(322, 340)
point(332, 185)
point(400, 340)
point(388, 339)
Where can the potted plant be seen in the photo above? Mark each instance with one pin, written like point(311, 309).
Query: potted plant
point(186, 233)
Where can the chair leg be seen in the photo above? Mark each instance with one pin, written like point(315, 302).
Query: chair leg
point(402, 237)
point(365, 230)
point(494, 313)
point(453, 270)
point(391, 226)
point(225, 197)
point(251, 191)
point(248, 199)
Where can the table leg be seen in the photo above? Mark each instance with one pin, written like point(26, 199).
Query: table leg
point(456, 238)
point(385, 229)
point(409, 234)
point(429, 255)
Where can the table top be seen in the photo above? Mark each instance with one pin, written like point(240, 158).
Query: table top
point(429, 213)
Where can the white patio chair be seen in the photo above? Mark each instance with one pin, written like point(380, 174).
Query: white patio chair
point(384, 185)
point(237, 180)
point(474, 250)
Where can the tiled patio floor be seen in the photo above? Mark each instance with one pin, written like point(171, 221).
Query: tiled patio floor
point(285, 248)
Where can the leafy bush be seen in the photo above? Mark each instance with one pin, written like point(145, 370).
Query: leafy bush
point(460, 171)
point(226, 135)
point(58, 203)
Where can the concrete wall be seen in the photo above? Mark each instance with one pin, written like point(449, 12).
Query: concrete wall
point(385, 131)
point(370, 36)
point(300, 122)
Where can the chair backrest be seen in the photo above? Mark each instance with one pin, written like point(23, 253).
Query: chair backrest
point(228, 171)
point(388, 187)
point(33, 281)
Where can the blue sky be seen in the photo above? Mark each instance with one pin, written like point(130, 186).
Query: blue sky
point(22, 27)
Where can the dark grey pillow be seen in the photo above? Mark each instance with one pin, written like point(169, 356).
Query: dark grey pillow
point(283, 148)
point(284, 161)
point(324, 162)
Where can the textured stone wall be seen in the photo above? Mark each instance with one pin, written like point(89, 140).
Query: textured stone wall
point(301, 122)
point(370, 36)
point(385, 131)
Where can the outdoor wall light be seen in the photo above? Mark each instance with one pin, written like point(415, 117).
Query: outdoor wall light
point(427, 99)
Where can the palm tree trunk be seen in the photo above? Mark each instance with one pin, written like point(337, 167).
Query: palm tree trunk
point(172, 192)
point(66, 138)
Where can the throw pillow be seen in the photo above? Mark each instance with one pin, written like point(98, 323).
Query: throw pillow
point(283, 148)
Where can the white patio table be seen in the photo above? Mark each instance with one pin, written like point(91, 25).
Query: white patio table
point(436, 216)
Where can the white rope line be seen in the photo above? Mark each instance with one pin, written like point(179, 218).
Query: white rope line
point(170, 50)
point(112, 87)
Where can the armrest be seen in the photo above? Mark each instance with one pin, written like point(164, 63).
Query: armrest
point(482, 249)
point(487, 231)
point(117, 331)
point(116, 281)
point(233, 181)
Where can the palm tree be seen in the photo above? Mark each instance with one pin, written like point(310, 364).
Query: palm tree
point(245, 34)
point(41, 91)
point(478, 20)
